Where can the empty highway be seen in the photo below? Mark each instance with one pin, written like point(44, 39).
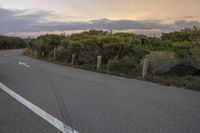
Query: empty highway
point(89, 102)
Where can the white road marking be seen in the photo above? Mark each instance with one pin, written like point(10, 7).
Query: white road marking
point(22, 63)
point(5, 55)
point(49, 118)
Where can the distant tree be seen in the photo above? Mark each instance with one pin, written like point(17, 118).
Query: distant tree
point(7, 42)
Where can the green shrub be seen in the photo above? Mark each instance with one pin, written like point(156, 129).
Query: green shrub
point(74, 48)
point(165, 45)
point(120, 51)
point(7, 42)
point(88, 52)
point(110, 47)
point(65, 43)
point(125, 64)
point(187, 34)
point(161, 62)
point(61, 54)
point(196, 57)
point(183, 51)
point(136, 49)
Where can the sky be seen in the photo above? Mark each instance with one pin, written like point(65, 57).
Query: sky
point(149, 17)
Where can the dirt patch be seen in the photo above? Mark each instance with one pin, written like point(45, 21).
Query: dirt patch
point(189, 82)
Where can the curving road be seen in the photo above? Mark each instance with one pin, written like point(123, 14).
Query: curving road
point(90, 102)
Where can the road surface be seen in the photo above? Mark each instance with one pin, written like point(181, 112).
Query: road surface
point(90, 102)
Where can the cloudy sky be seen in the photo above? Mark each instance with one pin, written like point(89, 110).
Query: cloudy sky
point(151, 17)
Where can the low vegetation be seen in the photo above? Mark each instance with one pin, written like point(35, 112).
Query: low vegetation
point(123, 53)
point(12, 42)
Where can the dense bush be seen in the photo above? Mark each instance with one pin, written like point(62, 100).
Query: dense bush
point(123, 51)
point(137, 50)
point(182, 70)
point(61, 54)
point(157, 44)
point(65, 43)
point(110, 47)
point(183, 51)
point(196, 57)
point(74, 48)
point(187, 52)
point(12, 42)
point(88, 52)
point(161, 62)
point(125, 64)
point(187, 34)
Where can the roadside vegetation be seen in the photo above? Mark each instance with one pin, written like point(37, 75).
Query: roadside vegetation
point(174, 58)
point(7, 42)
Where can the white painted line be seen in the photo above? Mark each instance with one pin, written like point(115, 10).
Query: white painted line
point(5, 55)
point(22, 63)
point(49, 118)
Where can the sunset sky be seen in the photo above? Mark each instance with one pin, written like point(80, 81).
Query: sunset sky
point(151, 17)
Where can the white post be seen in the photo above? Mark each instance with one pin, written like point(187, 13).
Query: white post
point(73, 58)
point(54, 54)
point(98, 62)
point(145, 68)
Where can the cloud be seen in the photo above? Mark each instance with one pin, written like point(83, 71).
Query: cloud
point(183, 23)
point(17, 21)
point(181, 18)
point(21, 20)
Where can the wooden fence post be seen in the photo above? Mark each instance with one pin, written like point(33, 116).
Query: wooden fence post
point(54, 54)
point(145, 68)
point(98, 62)
point(73, 58)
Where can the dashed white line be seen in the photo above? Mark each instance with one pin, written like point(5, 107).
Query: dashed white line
point(22, 63)
point(49, 118)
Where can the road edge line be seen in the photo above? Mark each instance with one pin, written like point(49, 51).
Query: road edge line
point(37, 110)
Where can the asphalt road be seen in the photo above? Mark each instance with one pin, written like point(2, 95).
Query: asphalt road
point(91, 102)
